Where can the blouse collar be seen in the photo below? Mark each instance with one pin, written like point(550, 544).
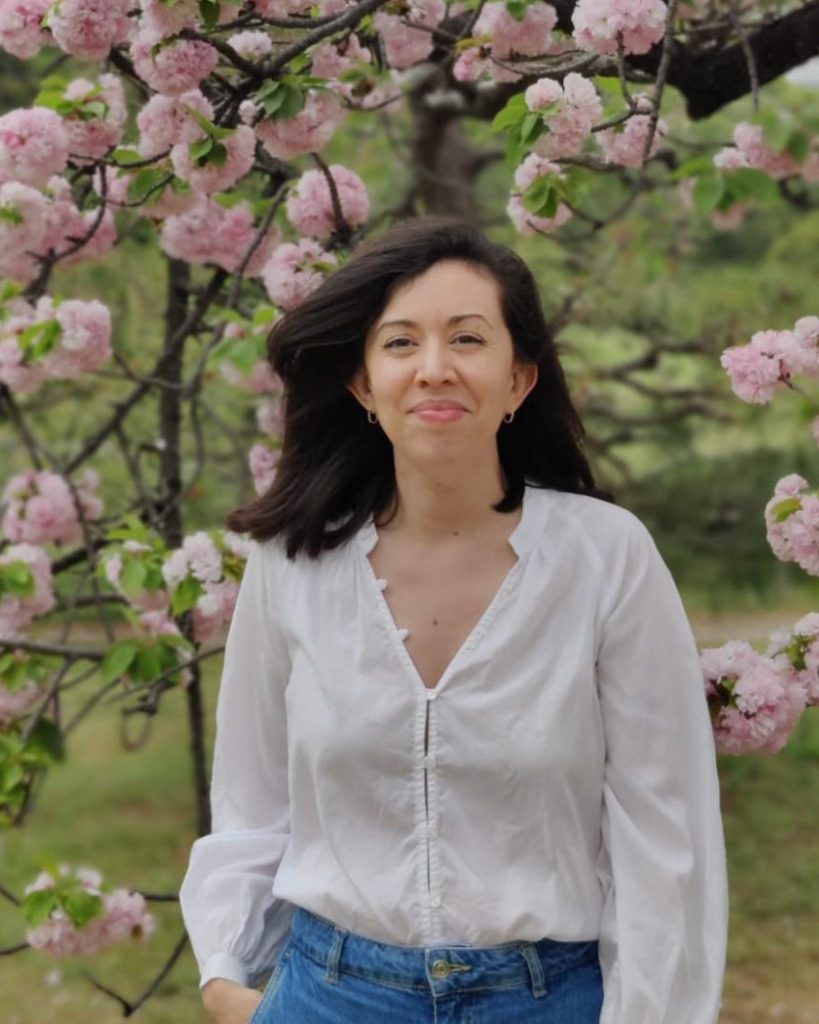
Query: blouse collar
point(522, 538)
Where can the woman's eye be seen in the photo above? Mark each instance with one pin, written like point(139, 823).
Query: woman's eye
point(395, 342)
point(470, 337)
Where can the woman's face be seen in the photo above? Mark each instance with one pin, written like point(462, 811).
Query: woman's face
point(441, 339)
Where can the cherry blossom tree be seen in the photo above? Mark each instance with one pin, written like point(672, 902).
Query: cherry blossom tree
point(200, 126)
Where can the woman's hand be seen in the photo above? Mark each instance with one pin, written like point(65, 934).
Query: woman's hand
point(229, 1003)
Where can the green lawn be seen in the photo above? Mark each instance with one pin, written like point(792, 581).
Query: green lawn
point(129, 814)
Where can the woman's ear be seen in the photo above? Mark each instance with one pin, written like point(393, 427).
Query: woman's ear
point(359, 386)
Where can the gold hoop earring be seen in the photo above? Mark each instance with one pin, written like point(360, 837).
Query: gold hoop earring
point(371, 416)
point(508, 417)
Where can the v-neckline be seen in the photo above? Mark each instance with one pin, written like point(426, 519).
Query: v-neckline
point(517, 540)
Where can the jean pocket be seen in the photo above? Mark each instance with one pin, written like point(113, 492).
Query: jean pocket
point(273, 983)
point(568, 956)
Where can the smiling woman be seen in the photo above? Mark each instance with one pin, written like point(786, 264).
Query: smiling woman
point(464, 768)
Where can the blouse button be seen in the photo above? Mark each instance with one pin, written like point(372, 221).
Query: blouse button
point(435, 901)
point(381, 584)
point(403, 633)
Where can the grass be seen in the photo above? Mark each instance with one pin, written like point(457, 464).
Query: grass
point(129, 814)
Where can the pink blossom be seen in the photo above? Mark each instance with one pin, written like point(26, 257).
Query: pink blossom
point(758, 370)
point(308, 132)
point(123, 915)
point(166, 19)
point(814, 430)
point(624, 145)
point(796, 654)
point(41, 508)
point(18, 702)
point(296, 270)
point(310, 208)
point(16, 613)
point(67, 225)
point(165, 121)
point(569, 112)
point(270, 416)
point(90, 136)
point(527, 172)
point(236, 543)
point(792, 524)
point(23, 229)
point(20, 375)
point(260, 379)
point(729, 220)
point(748, 139)
point(85, 339)
point(209, 233)
point(504, 34)
point(597, 24)
point(252, 44)
point(262, 462)
point(158, 623)
point(331, 58)
point(145, 599)
point(404, 45)
point(214, 608)
point(33, 146)
point(529, 36)
point(89, 28)
point(803, 354)
point(175, 67)
point(20, 31)
point(754, 706)
point(198, 556)
point(240, 147)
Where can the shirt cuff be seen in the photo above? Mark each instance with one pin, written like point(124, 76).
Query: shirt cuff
point(223, 965)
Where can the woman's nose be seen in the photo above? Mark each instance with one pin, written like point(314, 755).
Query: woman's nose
point(435, 361)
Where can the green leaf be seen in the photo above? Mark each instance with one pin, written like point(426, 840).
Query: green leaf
point(786, 508)
point(144, 186)
point(708, 191)
point(118, 660)
point(132, 577)
point(514, 112)
point(186, 595)
point(693, 168)
point(750, 183)
point(37, 906)
point(46, 739)
point(209, 13)
point(147, 665)
point(217, 155)
point(82, 906)
point(199, 150)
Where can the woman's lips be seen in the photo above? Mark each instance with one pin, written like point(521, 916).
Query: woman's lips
point(441, 414)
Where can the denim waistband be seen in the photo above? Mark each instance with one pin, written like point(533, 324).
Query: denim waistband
point(439, 969)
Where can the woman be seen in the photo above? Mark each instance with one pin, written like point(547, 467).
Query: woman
point(464, 769)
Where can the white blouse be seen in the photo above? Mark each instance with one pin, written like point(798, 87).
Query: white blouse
point(567, 787)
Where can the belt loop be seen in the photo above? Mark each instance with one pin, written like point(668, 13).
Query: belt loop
point(530, 955)
point(333, 957)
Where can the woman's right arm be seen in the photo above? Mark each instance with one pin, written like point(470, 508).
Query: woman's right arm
point(235, 925)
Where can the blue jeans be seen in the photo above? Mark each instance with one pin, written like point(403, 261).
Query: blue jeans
point(326, 975)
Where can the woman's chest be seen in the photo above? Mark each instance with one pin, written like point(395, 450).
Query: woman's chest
point(436, 603)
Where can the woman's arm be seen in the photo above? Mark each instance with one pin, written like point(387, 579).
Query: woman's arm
point(235, 924)
point(664, 925)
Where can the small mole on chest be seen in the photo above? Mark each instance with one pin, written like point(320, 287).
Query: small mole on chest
point(434, 622)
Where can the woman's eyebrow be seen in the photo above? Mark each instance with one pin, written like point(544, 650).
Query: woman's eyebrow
point(411, 323)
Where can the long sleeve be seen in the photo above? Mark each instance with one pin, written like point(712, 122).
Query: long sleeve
point(235, 925)
point(665, 916)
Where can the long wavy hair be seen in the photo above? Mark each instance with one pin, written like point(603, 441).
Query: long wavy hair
point(335, 469)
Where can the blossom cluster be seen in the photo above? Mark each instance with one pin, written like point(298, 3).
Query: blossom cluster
point(754, 706)
point(26, 587)
point(764, 366)
point(113, 914)
point(792, 523)
point(262, 460)
point(501, 35)
point(751, 150)
point(598, 24)
point(15, 702)
point(40, 507)
point(202, 575)
point(52, 341)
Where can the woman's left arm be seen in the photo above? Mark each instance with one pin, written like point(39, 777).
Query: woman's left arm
point(665, 918)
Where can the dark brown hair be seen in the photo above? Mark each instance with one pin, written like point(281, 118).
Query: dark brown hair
point(335, 468)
